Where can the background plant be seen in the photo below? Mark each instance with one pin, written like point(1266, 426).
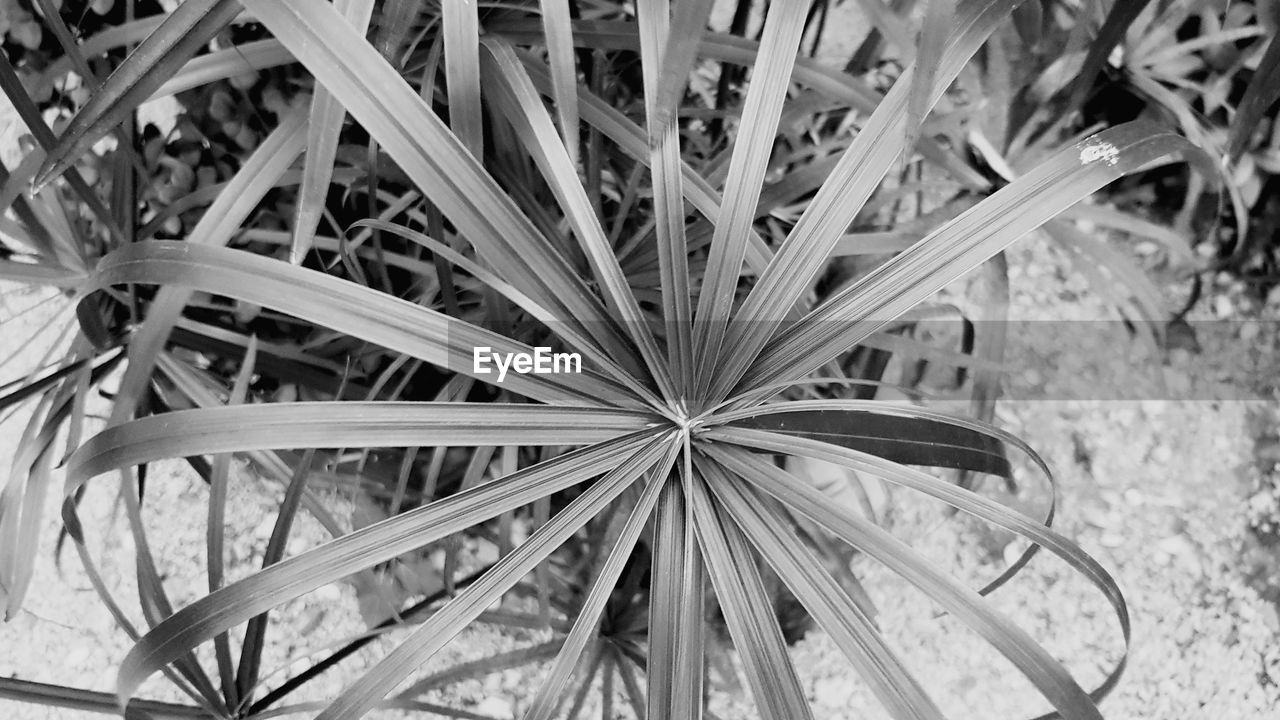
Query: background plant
point(332, 279)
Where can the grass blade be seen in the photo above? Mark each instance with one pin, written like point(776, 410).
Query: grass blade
point(654, 17)
point(677, 60)
point(856, 176)
point(676, 622)
point(323, 130)
point(551, 692)
point(938, 17)
point(376, 95)
point(558, 26)
point(1119, 18)
point(451, 619)
point(904, 438)
point(280, 426)
point(890, 681)
point(779, 46)
point(71, 698)
point(255, 633)
point(219, 478)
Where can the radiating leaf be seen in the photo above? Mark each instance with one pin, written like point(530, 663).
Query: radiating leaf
point(236, 603)
point(323, 130)
point(557, 24)
point(841, 197)
point(748, 612)
point(345, 306)
point(461, 28)
point(529, 118)
point(1119, 18)
point(890, 681)
point(752, 147)
point(654, 18)
point(966, 242)
point(676, 623)
point(1050, 678)
point(404, 124)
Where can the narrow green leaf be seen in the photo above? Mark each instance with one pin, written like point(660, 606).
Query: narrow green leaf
point(475, 669)
point(223, 64)
point(901, 438)
point(256, 631)
point(32, 273)
point(72, 698)
point(938, 17)
point(460, 26)
point(182, 33)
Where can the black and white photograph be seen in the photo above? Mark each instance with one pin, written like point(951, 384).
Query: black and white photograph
point(640, 359)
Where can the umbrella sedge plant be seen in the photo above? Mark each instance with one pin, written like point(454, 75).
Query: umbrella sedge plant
point(520, 185)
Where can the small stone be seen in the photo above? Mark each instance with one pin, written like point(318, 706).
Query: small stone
point(496, 707)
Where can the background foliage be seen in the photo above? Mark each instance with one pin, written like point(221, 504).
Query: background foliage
point(356, 195)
